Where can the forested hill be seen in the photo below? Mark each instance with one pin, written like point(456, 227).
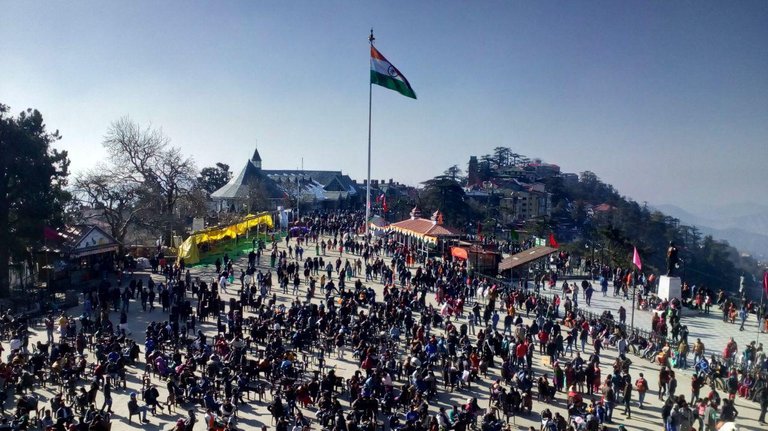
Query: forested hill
point(592, 213)
point(588, 217)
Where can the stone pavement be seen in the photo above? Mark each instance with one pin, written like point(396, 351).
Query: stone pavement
point(254, 414)
point(714, 333)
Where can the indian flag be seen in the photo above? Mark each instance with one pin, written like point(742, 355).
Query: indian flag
point(385, 74)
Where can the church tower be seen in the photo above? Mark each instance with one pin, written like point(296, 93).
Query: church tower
point(256, 159)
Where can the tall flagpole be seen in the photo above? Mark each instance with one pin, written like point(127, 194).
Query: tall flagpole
point(368, 182)
point(760, 313)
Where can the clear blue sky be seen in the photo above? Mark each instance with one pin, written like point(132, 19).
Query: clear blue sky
point(668, 101)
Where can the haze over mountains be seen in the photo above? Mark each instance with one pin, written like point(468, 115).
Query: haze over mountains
point(743, 225)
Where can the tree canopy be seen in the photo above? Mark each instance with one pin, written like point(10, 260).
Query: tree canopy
point(446, 194)
point(213, 178)
point(33, 177)
point(623, 224)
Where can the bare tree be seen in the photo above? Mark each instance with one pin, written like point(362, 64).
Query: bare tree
point(136, 148)
point(115, 199)
point(174, 177)
point(145, 156)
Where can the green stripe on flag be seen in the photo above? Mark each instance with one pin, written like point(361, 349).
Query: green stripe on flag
point(392, 83)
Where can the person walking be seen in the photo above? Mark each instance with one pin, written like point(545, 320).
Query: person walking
point(697, 381)
point(710, 417)
point(49, 325)
point(107, 388)
point(698, 351)
point(672, 387)
point(743, 314)
point(495, 320)
point(763, 405)
point(666, 414)
point(642, 387)
point(610, 401)
point(663, 380)
point(682, 355)
point(627, 400)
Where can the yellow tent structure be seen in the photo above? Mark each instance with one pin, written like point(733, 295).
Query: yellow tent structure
point(189, 249)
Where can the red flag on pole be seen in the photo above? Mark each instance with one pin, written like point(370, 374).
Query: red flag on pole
point(552, 241)
point(384, 206)
point(765, 282)
point(636, 260)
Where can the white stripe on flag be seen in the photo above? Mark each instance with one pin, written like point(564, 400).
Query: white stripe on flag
point(383, 67)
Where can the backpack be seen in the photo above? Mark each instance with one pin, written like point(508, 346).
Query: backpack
point(642, 385)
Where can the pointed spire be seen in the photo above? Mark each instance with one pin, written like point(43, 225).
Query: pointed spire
point(256, 159)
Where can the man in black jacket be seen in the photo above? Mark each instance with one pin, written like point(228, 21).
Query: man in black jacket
point(763, 397)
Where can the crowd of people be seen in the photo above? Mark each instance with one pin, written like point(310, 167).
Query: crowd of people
point(435, 333)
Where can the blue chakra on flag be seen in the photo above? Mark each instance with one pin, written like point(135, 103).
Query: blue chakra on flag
point(392, 71)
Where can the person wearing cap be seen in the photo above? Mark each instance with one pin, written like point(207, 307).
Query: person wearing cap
point(135, 409)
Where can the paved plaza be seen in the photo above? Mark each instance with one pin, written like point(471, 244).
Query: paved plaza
point(254, 414)
point(714, 333)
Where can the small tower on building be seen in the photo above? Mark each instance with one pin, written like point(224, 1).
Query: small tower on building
point(256, 159)
point(473, 172)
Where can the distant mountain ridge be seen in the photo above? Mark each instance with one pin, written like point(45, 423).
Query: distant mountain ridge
point(744, 226)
